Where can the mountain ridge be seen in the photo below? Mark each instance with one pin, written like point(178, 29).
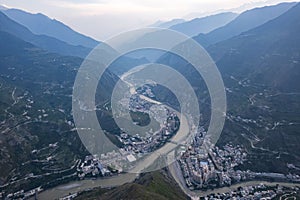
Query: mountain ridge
point(45, 42)
point(40, 24)
point(204, 24)
point(244, 22)
point(277, 39)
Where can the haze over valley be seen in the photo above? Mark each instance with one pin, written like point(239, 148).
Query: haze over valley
point(151, 144)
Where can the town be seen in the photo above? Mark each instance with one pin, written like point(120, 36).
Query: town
point(256, 192)
point(134, 146)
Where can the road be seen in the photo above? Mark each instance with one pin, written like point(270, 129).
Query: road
point(77, 186)
point(179, 138)
point(177, 175)
point(167, 149)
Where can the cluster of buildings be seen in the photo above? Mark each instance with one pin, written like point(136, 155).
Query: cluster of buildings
point(21, 194)
point(203, 169)
point(69, 197)
point(92, 166)
point(209, 169)
point(146, 90)
point(136, 103)
point(197, 174)
point(133, 148)
point(134, 145)
point(257, 192)
point(138, 144)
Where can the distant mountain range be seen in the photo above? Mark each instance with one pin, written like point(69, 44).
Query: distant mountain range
point(244, 22)
point(48, 43)
point(269, 53)
point(257, 53)
point(218, 27)
point(261, 72)
point(167, 24)
point(260, 68)
point(40, 24)
point(205, 24)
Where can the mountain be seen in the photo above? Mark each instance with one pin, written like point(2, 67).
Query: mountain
point(40, 24)
point(39, 145)
point(205, 24)
point(3, 7)
point(261, 72)
point(45, 42)
point(36, 103)
point(29, 83)
point(269, 53)
point(155, 185)
point(16, 46)
point(244, 22)
point(167, 24)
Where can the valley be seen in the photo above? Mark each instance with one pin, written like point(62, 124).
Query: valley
point(257, 156)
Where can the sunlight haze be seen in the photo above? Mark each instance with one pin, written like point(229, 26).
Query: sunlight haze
point(102, 19)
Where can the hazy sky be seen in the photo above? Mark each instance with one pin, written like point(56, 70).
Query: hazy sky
point(103, 18)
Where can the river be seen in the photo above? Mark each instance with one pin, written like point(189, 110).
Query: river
point(77, 186)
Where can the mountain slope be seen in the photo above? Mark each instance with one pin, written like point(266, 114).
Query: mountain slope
point(155, 185)
point(27, 73)
point(261, 72)
point(205, 24)
point(244, 22)
point(40, 24)
point(269, 53)
point(16, 46)
point(45, 42)
point(35, 111)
